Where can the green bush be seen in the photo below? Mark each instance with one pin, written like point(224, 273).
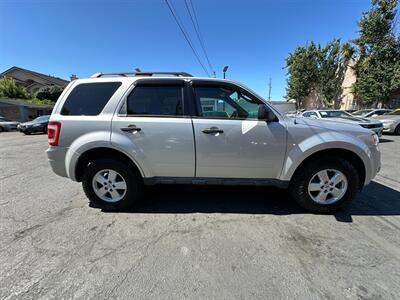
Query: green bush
point(50, 92)
point(39, 101)
point(10, 89)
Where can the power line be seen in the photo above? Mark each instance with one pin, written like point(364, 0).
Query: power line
point(186, 36)
point(198, 32)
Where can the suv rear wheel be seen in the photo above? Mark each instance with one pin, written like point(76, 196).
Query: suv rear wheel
point(325, 184)
point(110, 185)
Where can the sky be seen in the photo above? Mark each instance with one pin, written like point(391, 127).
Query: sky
point(82, 37)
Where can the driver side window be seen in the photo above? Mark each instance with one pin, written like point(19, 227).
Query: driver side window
point(220, 102)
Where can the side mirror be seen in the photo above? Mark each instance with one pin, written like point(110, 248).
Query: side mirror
point(265, 113)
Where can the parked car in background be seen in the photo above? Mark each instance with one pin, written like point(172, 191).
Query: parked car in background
point(37, 125)
point(117, 133)
point(293, 113)
point(391, 121)
point(344, 117)
point(7, 125)
point(368, 113)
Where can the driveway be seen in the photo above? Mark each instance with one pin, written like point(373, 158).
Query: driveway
point(191, 242)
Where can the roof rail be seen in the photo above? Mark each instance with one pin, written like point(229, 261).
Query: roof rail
point(124, 74)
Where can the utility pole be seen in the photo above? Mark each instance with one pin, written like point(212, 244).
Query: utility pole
point(269, 89)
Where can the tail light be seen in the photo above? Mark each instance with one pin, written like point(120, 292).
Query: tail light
point(53, 133)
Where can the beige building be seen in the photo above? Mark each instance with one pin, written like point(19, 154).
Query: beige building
point(347, 100)
point(347, 97)
point(31, 80)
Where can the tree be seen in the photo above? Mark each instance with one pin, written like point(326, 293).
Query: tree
point(320, 70)
point(302, 72)
point(51, 92)
point(10, 89)
point(334, 60)
point(378, 65)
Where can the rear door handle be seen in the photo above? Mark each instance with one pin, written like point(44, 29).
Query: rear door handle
point(131, 128)
point(212, 130)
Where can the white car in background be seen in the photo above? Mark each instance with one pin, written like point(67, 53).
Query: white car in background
point(344, 117)
point(391, 121)
point(369, 113)
point(7, 125)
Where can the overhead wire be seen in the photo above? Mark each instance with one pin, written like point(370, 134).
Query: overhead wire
point(196, 27)
point(185, 34)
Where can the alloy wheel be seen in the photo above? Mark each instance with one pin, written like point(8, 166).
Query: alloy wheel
point(109, 185)
point(327, 186)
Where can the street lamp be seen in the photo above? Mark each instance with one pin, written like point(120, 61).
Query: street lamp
point(225, 69)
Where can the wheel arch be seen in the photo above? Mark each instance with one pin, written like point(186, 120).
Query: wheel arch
point(102, 153)
point(346, 154)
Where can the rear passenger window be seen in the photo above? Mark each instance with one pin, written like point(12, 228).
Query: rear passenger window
point(89, 98)
point(155, 100)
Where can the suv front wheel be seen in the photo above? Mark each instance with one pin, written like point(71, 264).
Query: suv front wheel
point(325, 184)
point(110, 185)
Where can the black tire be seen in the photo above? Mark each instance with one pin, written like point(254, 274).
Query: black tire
point(132, 180)
point(397, 130)
point(27, 133)
point(299, 184)
point(1, 129)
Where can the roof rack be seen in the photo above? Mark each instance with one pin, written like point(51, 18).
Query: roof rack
point(125, 74)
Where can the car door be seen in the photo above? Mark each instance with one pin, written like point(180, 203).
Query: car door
point(153, 127)
point(230, 141)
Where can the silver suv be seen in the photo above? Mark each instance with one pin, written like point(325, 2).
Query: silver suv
point(116, 132)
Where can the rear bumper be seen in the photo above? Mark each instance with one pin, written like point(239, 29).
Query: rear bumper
point(9, 127)
point(56, 157)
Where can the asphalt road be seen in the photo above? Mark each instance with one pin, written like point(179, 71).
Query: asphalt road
point(191, 242)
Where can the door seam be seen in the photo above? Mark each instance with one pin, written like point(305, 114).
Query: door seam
point(195, 150)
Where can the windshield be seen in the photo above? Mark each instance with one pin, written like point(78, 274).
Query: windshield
point(396, 112)
point(362, 112)
point(334, 114)
point(42, 119)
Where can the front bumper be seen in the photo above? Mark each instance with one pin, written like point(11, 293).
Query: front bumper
point(378, 131)
point(30, 129)
point(389, 126)
point(375, 164)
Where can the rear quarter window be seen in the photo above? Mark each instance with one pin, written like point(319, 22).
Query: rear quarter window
point(89, 99)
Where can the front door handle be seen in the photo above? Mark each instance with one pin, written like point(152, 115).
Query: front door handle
point(131, 128)
point(212, 130)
